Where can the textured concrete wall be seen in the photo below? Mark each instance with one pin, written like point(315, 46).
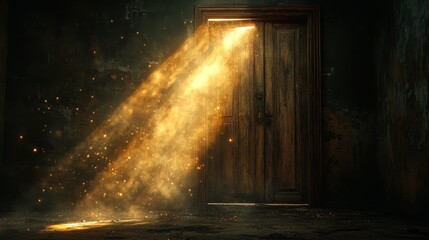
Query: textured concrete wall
point(402, 51)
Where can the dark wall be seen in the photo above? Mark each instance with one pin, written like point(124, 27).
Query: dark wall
point(67, 70)
point(77, 52)
point(402, 52)
point(3, 54)
point(348, 101)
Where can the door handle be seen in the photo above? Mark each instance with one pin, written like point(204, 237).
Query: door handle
point(260, 117)
point(263, 118)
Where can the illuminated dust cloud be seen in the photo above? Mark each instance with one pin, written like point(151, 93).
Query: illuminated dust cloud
point(146, 154)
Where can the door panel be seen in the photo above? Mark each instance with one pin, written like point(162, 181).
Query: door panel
point(284, 43)
point(284, 108)
point(232, 174)
point(256, 155)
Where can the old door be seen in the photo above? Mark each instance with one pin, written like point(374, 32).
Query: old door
point(257, 154)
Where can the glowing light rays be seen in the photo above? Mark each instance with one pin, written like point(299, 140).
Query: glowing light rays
point(84, 225)
point(147, 150)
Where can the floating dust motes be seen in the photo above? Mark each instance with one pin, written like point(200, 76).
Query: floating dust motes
point(146, 153)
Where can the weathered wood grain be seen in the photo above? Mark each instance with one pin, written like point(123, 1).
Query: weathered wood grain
point(269, 115)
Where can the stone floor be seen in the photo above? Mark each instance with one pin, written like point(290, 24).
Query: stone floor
point(227, 222)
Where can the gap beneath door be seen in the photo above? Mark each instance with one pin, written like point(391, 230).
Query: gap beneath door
point(261, 204)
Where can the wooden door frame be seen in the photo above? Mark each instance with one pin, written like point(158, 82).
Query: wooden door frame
point(310, 14)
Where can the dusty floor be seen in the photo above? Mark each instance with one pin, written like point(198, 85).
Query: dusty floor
point(217, 223)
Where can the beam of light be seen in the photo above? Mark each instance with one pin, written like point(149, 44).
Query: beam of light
point(146, 153)
point(85, 225)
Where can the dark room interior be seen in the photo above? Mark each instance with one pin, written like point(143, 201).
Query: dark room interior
point(247, 119)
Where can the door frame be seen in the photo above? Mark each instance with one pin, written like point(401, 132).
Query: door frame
point(310, 15)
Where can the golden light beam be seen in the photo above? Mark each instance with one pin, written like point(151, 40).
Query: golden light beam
point(148, 148)
point(85, 225)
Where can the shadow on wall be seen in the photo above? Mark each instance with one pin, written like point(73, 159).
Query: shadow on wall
point(403, 105)
point(3, 54)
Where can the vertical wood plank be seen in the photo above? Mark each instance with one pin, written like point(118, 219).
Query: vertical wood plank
point(259, 106)
point(284, 97)
point(226, 148)
point(269, 108)
point(246, 163)
point(283, 81)
point(300, 110)
point(232, 156)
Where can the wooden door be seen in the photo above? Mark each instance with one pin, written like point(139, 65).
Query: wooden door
point(285, 64)
point(257, 155)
